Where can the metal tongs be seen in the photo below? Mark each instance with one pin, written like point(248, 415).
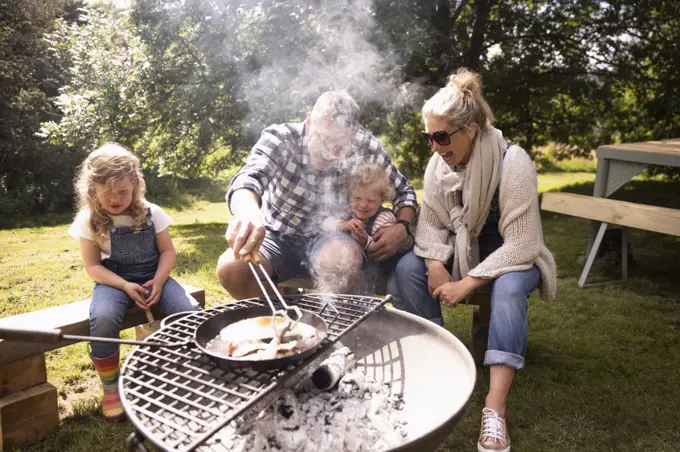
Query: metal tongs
point(288, 323)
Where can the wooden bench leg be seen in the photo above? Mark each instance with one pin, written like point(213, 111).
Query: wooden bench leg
point(479, 332)
point(28, 404)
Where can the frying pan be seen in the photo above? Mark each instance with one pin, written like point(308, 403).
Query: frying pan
point(211, 328)
point(206, 331)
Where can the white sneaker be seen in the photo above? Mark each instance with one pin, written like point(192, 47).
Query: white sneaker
point(494, 434)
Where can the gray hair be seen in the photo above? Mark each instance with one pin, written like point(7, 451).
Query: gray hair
point(460, 102)
point(337, 106)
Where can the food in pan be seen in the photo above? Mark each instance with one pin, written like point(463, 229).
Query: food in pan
point(256, 338)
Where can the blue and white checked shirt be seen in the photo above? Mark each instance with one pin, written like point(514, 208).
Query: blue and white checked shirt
point(297, 196)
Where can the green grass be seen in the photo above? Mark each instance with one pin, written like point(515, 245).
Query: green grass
point(602, 363)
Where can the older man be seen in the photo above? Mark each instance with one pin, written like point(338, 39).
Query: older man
point(300, 172)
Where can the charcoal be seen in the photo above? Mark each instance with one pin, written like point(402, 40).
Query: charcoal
point(359, 415)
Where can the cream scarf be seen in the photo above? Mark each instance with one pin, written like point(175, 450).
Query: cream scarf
point(478, 181)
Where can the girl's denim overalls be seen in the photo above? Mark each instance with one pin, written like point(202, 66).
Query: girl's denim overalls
point(134, 257)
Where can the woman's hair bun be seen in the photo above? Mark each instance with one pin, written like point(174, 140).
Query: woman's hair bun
point(466, 80)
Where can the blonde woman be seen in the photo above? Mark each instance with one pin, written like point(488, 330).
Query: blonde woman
point(479, 224)
point(127, 251)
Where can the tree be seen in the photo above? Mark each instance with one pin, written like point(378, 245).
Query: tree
point(32, 173)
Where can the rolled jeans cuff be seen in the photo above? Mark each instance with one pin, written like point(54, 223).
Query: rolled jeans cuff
point(496, 357)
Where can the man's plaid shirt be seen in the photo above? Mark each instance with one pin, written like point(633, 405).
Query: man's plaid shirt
point(297, 196)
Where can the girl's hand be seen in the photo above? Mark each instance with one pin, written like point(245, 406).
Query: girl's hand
point(354, 226)
point(156, 291)
point(360, 236)
point(437, 276)
point(137, 293)
point(343, 226)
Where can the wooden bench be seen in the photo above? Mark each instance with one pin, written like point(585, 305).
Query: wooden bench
point(28, 403)
point(481, 315)
point(611, 211)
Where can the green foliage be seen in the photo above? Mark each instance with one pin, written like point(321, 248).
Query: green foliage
point(188, 85)
point(105, 97)
point(579, 73)
point(403, 140)
point(34, 176)
point(114, 93)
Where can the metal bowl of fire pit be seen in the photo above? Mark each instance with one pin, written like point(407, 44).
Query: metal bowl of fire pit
point(432, 369)
point(179, 399)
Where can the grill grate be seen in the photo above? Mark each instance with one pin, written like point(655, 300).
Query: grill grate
point(179, 399)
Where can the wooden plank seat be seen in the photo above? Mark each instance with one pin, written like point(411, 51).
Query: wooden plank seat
point(481, 316)
point(28, 403)
point(610, 211)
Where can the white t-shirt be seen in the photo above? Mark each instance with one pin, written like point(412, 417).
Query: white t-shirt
point(80, 227)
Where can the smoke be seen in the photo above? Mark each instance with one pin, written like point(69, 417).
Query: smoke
point(309, 48)
point(329, 48)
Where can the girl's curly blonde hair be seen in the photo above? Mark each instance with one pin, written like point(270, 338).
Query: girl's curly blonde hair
point(375, 176)
point(106, 165)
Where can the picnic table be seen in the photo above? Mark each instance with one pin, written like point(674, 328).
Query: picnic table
point(617, 164)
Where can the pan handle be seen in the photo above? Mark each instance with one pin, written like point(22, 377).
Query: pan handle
point(27, 335)
point(55, 335)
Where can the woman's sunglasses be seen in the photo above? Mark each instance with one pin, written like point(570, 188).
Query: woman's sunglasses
point(441, 137)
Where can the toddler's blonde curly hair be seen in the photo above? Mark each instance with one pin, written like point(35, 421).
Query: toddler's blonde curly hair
point(373, 175)
point(106, 165)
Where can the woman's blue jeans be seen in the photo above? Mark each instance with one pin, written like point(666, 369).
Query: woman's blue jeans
point(108, 307)
point(508, 328)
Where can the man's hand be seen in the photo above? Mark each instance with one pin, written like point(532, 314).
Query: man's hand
point(137, 293)
point(387, 241)
point(245, 234)
point(437, 275)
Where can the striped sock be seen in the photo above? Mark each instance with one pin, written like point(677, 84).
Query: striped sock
point(108, 371)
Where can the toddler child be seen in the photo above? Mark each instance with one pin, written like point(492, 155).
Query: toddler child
point(369, 188)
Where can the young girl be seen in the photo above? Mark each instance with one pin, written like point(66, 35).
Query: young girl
point(369, 188)
point(127, 250)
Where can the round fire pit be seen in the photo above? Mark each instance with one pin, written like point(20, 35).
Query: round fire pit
point(178, 399)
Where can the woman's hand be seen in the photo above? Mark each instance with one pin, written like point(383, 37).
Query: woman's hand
point(137, 293)
point(156, 291)
point(452, 293)
point(437, 276)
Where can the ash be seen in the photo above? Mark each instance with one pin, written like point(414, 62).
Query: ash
point(359, 415)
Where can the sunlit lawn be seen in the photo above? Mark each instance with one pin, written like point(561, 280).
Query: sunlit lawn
point(602, 365)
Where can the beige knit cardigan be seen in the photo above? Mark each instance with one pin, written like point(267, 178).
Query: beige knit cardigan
point(519, 225)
